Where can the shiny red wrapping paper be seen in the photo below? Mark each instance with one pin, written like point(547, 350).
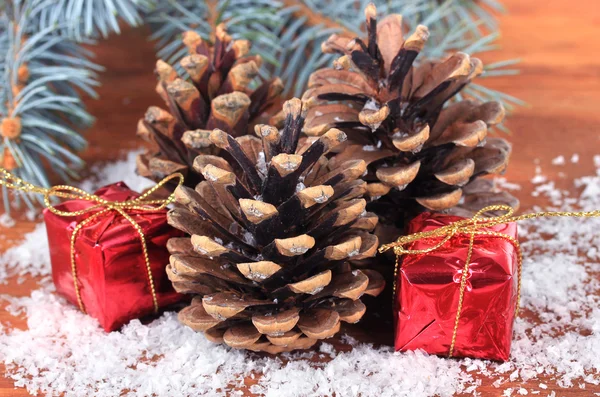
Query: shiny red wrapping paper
point(111, 270)
point(428, 289)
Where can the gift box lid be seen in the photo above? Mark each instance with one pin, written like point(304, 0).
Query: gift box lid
point(111, 224)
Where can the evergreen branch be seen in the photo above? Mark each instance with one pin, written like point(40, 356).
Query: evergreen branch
point(288, 34)
point(455, 25)
point(41, 111)
point(474, 12)
point(82, 19)
point(255, 20)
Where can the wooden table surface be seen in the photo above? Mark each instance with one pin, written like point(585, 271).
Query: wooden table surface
point(557, 40)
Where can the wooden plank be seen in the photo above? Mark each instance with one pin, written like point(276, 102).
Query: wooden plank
point(557, 41)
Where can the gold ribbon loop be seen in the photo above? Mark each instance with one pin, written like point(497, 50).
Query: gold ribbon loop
point(476, 226)
point(140, 203)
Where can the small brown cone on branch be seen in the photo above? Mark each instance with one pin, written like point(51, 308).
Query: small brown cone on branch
point(275, 231)
point(422, 148)
point(215, 94)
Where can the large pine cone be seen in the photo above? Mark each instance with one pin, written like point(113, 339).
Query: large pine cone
point(216, 95)
point(272, 235)
point(393, 112)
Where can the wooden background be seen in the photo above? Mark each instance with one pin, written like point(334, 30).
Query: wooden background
point(557, 40)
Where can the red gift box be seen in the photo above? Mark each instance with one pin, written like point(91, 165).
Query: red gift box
point(429, 285)
point(110, 267)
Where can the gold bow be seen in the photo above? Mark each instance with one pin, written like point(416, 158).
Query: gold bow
point(473, 227)
point(141, 203)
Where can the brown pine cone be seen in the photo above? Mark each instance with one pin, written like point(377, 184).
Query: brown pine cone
point(421, 150)
point(216, 94)
point(273, 233)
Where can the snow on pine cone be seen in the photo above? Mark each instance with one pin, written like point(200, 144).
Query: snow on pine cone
point(273, 230)
point(394, 113)
point(217, 94)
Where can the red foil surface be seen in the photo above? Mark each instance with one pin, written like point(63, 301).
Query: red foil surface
point(428, 289)
point(111, 270)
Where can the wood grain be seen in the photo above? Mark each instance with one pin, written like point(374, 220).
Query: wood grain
point(560, 79)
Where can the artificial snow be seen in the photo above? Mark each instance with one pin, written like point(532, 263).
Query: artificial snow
point(6, 221)
point(65, 352)
point(504, 184)
point(117, 171)
point(372, 148)
point(30, 258)
point(261, 164)
point(539, 177)
point(559, 160)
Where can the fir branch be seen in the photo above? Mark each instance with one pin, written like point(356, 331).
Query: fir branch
point(170, 18)
point(82, 19)
point(455, 25)
point(476, 14)
point(255, 20)
point(41, 75)
point(288, 34)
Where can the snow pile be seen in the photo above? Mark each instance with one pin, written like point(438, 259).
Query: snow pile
point(64, 351)
point(556, 341)
point(30, 258)
point(115, 172)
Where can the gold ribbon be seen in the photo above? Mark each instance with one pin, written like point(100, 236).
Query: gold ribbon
point(473, 227)
point(141, 203)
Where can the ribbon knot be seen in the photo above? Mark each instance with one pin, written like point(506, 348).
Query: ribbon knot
point(102, 206)
point(457, 278)
point(470, 226)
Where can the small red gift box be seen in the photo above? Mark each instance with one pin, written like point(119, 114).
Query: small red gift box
point(110, 267)
point(428, 291)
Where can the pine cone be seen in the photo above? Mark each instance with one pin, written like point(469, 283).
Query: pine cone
point(216, 95)
point(272, 236)
point(393, 112)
